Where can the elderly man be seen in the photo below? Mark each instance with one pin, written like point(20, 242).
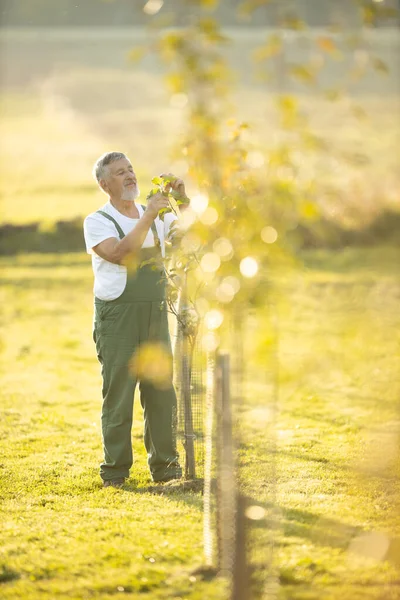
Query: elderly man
point(130, 312)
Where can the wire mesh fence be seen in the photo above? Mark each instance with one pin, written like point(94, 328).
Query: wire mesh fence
point(210, 386)
point(189, 374)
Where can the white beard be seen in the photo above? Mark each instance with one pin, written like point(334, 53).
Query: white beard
point(130, 195)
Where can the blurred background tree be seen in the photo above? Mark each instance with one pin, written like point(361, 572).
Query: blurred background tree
point(318, 13)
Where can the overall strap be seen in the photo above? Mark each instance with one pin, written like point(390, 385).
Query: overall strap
point(154, 230)
point(110, 218)
point(122, 234)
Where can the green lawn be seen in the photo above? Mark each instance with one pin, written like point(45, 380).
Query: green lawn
point(319, 445)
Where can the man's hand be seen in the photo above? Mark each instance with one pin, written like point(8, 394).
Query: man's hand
point(176, 185)
point(156, 203)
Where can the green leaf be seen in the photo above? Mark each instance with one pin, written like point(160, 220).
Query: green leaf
point(179, 198)
point(184, 201)
point(379, 65)
point(163, 212)
point(249, 6)
point(169, 178)
point(211, 29)
point(333, 94)
point(293, 22)
point(273, 47)
point(152, 192)
point(302, 73)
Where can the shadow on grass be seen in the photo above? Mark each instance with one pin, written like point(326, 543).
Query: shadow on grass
point(186, 490)
point(318, 529)
point(356, 468)
point(326, 532)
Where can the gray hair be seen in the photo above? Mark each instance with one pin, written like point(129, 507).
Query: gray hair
point(99, 169)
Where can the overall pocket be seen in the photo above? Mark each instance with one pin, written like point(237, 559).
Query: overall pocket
point(106, 317)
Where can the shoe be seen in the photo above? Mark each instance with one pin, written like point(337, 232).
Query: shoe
point(117, 483)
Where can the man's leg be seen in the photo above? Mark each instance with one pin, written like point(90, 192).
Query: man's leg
point(116, 420)
point(116, 336)
point(159, 403)
point(159, 406)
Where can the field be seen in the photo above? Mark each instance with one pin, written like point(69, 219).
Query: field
point(67, 96)
point(319, 420)
point(320, 453)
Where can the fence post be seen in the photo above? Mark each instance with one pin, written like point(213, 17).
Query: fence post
point(190, 463)
point(226, 481)
point(186, 350)
point(241, 574)
point(208, 537)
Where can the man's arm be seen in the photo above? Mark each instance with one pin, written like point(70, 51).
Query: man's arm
point(116, 251)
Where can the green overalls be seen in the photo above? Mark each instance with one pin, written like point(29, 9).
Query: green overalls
point(138, 316)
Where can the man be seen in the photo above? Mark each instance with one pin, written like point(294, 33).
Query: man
point(130, 312)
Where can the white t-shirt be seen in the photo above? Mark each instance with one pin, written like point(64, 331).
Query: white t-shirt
point(109, 278)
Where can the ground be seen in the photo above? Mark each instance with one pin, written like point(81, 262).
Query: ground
point(319, 418)
point(319, 445)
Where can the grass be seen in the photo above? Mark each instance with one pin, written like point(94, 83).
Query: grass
point(319, 446)
point(321, 459)
point(52, 137)
point(54, 131)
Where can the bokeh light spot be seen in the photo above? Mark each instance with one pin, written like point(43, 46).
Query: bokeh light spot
point(225, 292)
point(233, 282)
point(372, 545)
point(213, 319)
point(210, 342)
point(209, 216)
point(210, 262)
point(152, 362)
point(255, 513)
point(223, 247)
point(255, 160)
point(199, 203)
point(269, 235)
point(248, 267)
point(190, 242)
point(152, 7)
point(187, 218)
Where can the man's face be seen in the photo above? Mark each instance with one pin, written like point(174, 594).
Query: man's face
point(120, 181)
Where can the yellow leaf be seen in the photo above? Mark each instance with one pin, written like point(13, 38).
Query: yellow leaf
point(246, 8)
point(379, 65)
point(209, 4)
point(302, 73)
point(309, 210)
point(270, 49)
point(326, 44)
point(288, 104)
point(333, 94)
point(136, 54)
point(293, 22)
point(175, 83)
point(174, 205)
